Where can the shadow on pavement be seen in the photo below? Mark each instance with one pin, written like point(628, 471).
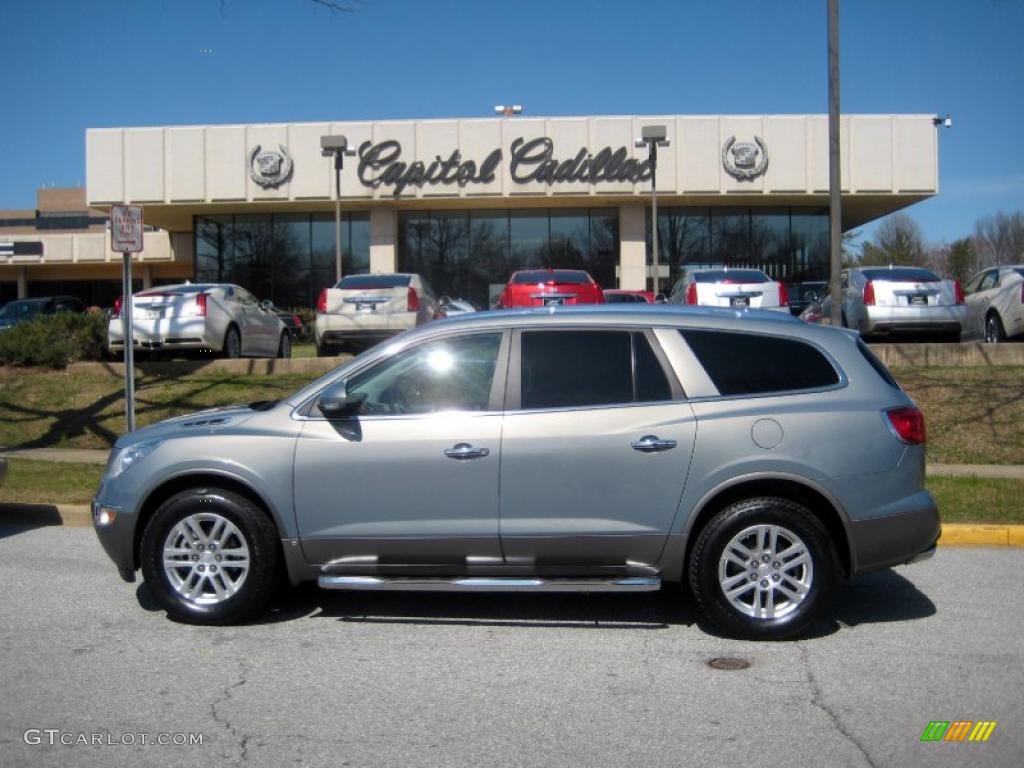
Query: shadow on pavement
point(19, 518)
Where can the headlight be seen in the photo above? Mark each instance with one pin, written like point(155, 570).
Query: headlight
point(127, 457)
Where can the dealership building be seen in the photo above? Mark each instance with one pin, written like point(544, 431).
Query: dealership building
point(466, 202)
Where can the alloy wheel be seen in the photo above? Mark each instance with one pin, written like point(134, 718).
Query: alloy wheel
point(765, 571)
point(206, 558)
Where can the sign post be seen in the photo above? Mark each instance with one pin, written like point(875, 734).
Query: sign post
point(126, 237)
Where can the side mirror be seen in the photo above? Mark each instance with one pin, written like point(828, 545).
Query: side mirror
point(336, 402)
point(266, 305)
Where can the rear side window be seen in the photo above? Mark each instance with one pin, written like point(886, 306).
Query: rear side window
point(877, 364)
point(751, 364)
point(370, 282)
point(902, 275)
point(567, 369)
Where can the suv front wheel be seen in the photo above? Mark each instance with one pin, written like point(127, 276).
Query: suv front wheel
point(762, 569)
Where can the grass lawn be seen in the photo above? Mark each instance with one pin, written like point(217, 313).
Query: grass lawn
point(961, 499)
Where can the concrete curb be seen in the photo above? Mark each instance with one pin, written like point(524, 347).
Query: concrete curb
point(80, 516)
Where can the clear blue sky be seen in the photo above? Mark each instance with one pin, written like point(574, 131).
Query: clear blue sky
point(72, 64)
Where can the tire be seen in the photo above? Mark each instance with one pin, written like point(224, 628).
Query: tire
point(236, 527)
point(325, 350)
point(284, 348)
point(736, 528)
point(232, 343)
point(994, 332)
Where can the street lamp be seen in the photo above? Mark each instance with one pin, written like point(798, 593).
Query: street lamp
point(337, 147)
point(652, 137)
point(508, 109)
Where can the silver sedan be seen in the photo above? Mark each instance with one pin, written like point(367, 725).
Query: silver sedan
point(215, 317)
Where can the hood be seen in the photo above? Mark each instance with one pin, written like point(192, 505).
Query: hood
point(207, 422)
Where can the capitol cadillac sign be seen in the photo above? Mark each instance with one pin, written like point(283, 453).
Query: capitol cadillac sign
point(529, 160)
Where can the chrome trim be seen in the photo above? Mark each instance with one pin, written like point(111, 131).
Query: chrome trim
point(490, 584)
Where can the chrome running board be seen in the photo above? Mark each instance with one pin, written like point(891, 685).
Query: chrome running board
point(490, 584)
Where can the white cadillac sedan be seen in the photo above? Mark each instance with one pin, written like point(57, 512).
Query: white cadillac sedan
point(995, 303)
point(209, 317)
point(736, 287)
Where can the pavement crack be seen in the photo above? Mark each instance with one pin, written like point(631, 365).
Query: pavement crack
point(818, 700)
point(227, 695)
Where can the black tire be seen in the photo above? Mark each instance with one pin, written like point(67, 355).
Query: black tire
point(710, 547)
point(259, 535)
point(325, 350)
point(284, 347)
point(994, 331)
point(232, 343)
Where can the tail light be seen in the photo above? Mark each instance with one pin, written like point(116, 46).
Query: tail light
point(869, 294)
point(414, 301)
point(783, 296)
point(200, 305)
point(907, 423)
point(117, 306)
point(321, 302)
point(958, 289)
point(691, 294)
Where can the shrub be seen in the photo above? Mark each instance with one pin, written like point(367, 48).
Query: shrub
point(55, 340)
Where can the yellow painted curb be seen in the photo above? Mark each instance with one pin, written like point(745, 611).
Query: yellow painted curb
point(969, 535)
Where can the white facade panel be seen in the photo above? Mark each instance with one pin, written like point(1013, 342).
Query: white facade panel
point(478, 139)
point(817, 157)
point(225, 163)
point(259, 139)
point(614, 133)
point(915, 155)
point(786, 138)
point(871, 140)
point(357, 134)
point(737, 133)
point(104, 169)
point(569, 136)
point(185, 164)
point(144, 165)
point(435, 142)
point(312, 173)
point(667, 165)
point(526, 130)
point(697, 153)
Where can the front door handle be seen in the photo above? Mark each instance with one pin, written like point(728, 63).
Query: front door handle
point(653, 444)
point(464, 451)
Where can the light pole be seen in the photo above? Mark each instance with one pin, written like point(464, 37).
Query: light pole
point(835, 197)
point(337, 147)
point(653, 136)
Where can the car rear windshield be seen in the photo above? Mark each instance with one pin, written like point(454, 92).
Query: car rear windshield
point(732, 276)
point(23, 308)
point(902, 275)
point(369, 282)
point(177, 290)
point(624, 298)
point(571, 276)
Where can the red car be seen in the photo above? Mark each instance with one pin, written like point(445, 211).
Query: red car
point(550, 287)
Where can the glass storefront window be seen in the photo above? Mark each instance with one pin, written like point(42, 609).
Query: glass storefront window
point(285, 257)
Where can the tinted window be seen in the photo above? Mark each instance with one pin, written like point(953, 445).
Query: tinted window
point(569, 276)
point(444, 375)
point(747, 363)
point(731, 276)
point(564, 369)
point(23, 308)
point(624, 298)
point(877, 364)
point(902, 275)
point(370, 282)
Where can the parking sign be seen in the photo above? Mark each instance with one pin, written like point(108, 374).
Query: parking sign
point(126, 228)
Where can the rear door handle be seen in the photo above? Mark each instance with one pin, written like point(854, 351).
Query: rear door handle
point(464, 451)
point(653, 444)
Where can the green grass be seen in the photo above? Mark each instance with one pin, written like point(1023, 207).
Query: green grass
point(961, 499)
point(48, 482)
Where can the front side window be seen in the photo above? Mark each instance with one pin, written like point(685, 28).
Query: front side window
point(445, 375)
point(752, 364)
point(570, 369)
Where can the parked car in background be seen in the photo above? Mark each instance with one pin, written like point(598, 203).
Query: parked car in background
point(201, 317)
point(995, 303)
point(453, 307)
point(549, 288)
point(22, 310)
point(890, 301)
point(801, 295)
point(735, 287)
point(623, 296)
point(505, 451)
point(292, 322)
point(362, 310)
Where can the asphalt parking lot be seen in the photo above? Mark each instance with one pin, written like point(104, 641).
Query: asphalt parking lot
point(446, 680)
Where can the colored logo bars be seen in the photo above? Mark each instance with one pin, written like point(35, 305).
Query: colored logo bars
point(958, 730)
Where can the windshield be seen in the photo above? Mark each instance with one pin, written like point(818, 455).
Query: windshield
point(22, 309)
point(902, 275)
point(571, 276)
point(370, 282)
point(732, 276)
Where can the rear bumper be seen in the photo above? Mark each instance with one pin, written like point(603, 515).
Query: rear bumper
point(915, 319)
point(188, 334)
point(367, 326)
point(881, 542)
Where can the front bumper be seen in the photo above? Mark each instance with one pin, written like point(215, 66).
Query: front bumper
point(881, 542)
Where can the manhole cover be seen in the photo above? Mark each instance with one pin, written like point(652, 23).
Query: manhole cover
point(728, 662)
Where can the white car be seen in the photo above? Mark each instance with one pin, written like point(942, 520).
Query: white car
point(364, 309)
point(211, 317)
point(995, 303)
point(736, 287)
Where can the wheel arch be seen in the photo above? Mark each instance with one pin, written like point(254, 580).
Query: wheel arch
point(816, 499)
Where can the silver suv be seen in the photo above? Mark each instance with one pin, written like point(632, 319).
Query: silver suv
point(604, 448)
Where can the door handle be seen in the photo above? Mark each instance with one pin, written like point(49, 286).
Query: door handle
point(464, 451)
point(652, 444)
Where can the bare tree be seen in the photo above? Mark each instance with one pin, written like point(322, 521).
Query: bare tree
point(898, 241)
point(999, 239)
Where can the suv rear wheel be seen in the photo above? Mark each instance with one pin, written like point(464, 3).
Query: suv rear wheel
point(210, 556)
point(762, 569)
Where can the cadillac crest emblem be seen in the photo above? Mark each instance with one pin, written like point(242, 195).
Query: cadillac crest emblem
point(745, 160)
point(270, 168)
